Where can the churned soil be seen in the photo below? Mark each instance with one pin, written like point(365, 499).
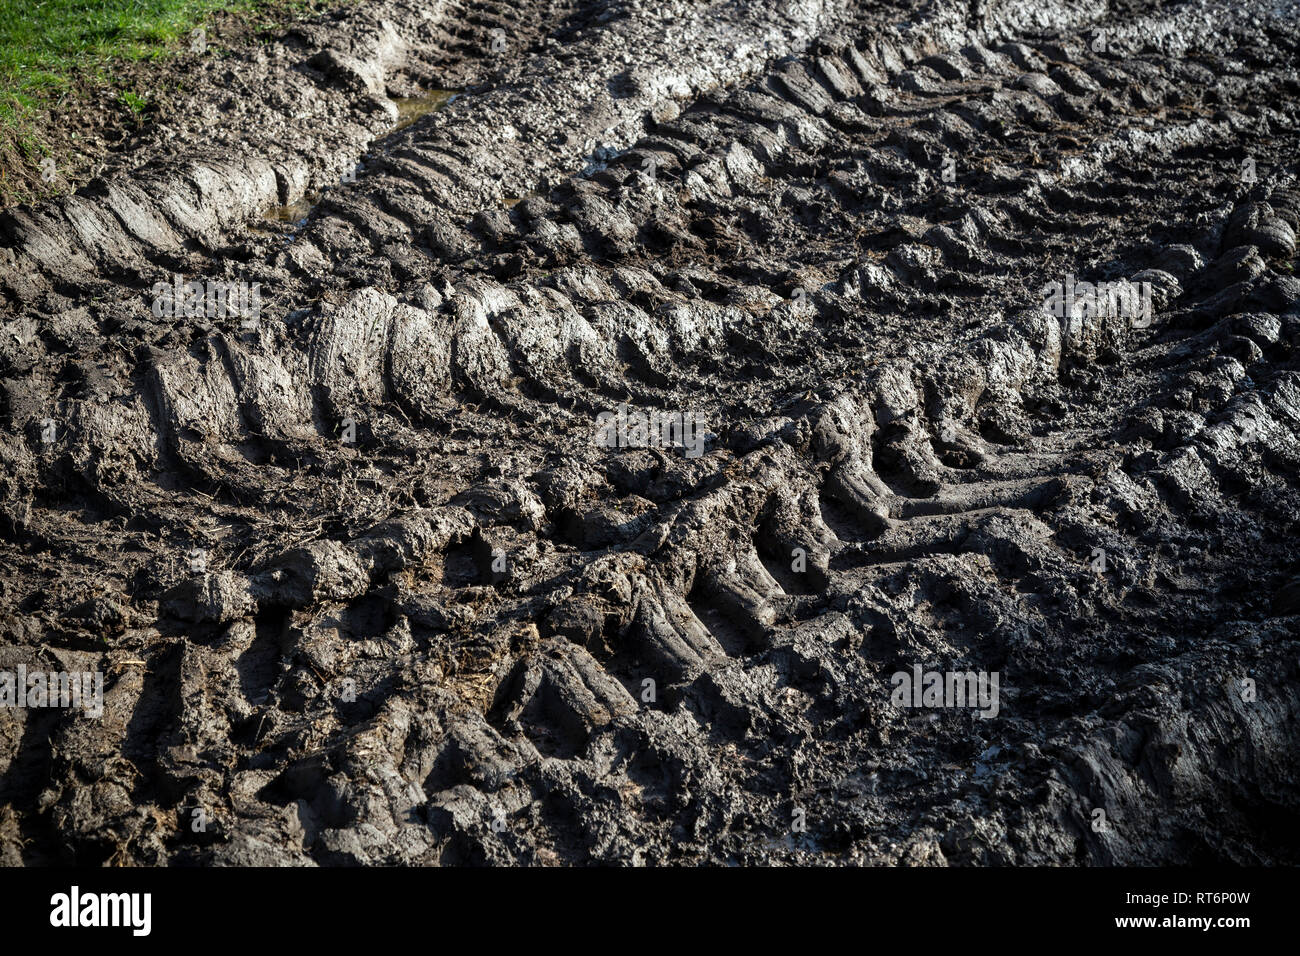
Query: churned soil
point(366, 587)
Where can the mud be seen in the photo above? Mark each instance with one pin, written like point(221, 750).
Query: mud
point(367, 586)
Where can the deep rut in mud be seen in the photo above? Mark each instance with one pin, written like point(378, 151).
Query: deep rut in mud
point(367, 583)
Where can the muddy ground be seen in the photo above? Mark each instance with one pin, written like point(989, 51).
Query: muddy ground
point(366, 586)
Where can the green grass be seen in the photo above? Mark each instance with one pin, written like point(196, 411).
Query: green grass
point(50, 49)
point(136, 104)
point(46, 45)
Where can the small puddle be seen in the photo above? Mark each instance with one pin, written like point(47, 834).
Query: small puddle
point(411, 108)
point(510, 202)
point(296, 212)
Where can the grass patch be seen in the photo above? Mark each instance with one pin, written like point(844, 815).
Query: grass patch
point(46, 45)
point(63, 59)
point(136, 104)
